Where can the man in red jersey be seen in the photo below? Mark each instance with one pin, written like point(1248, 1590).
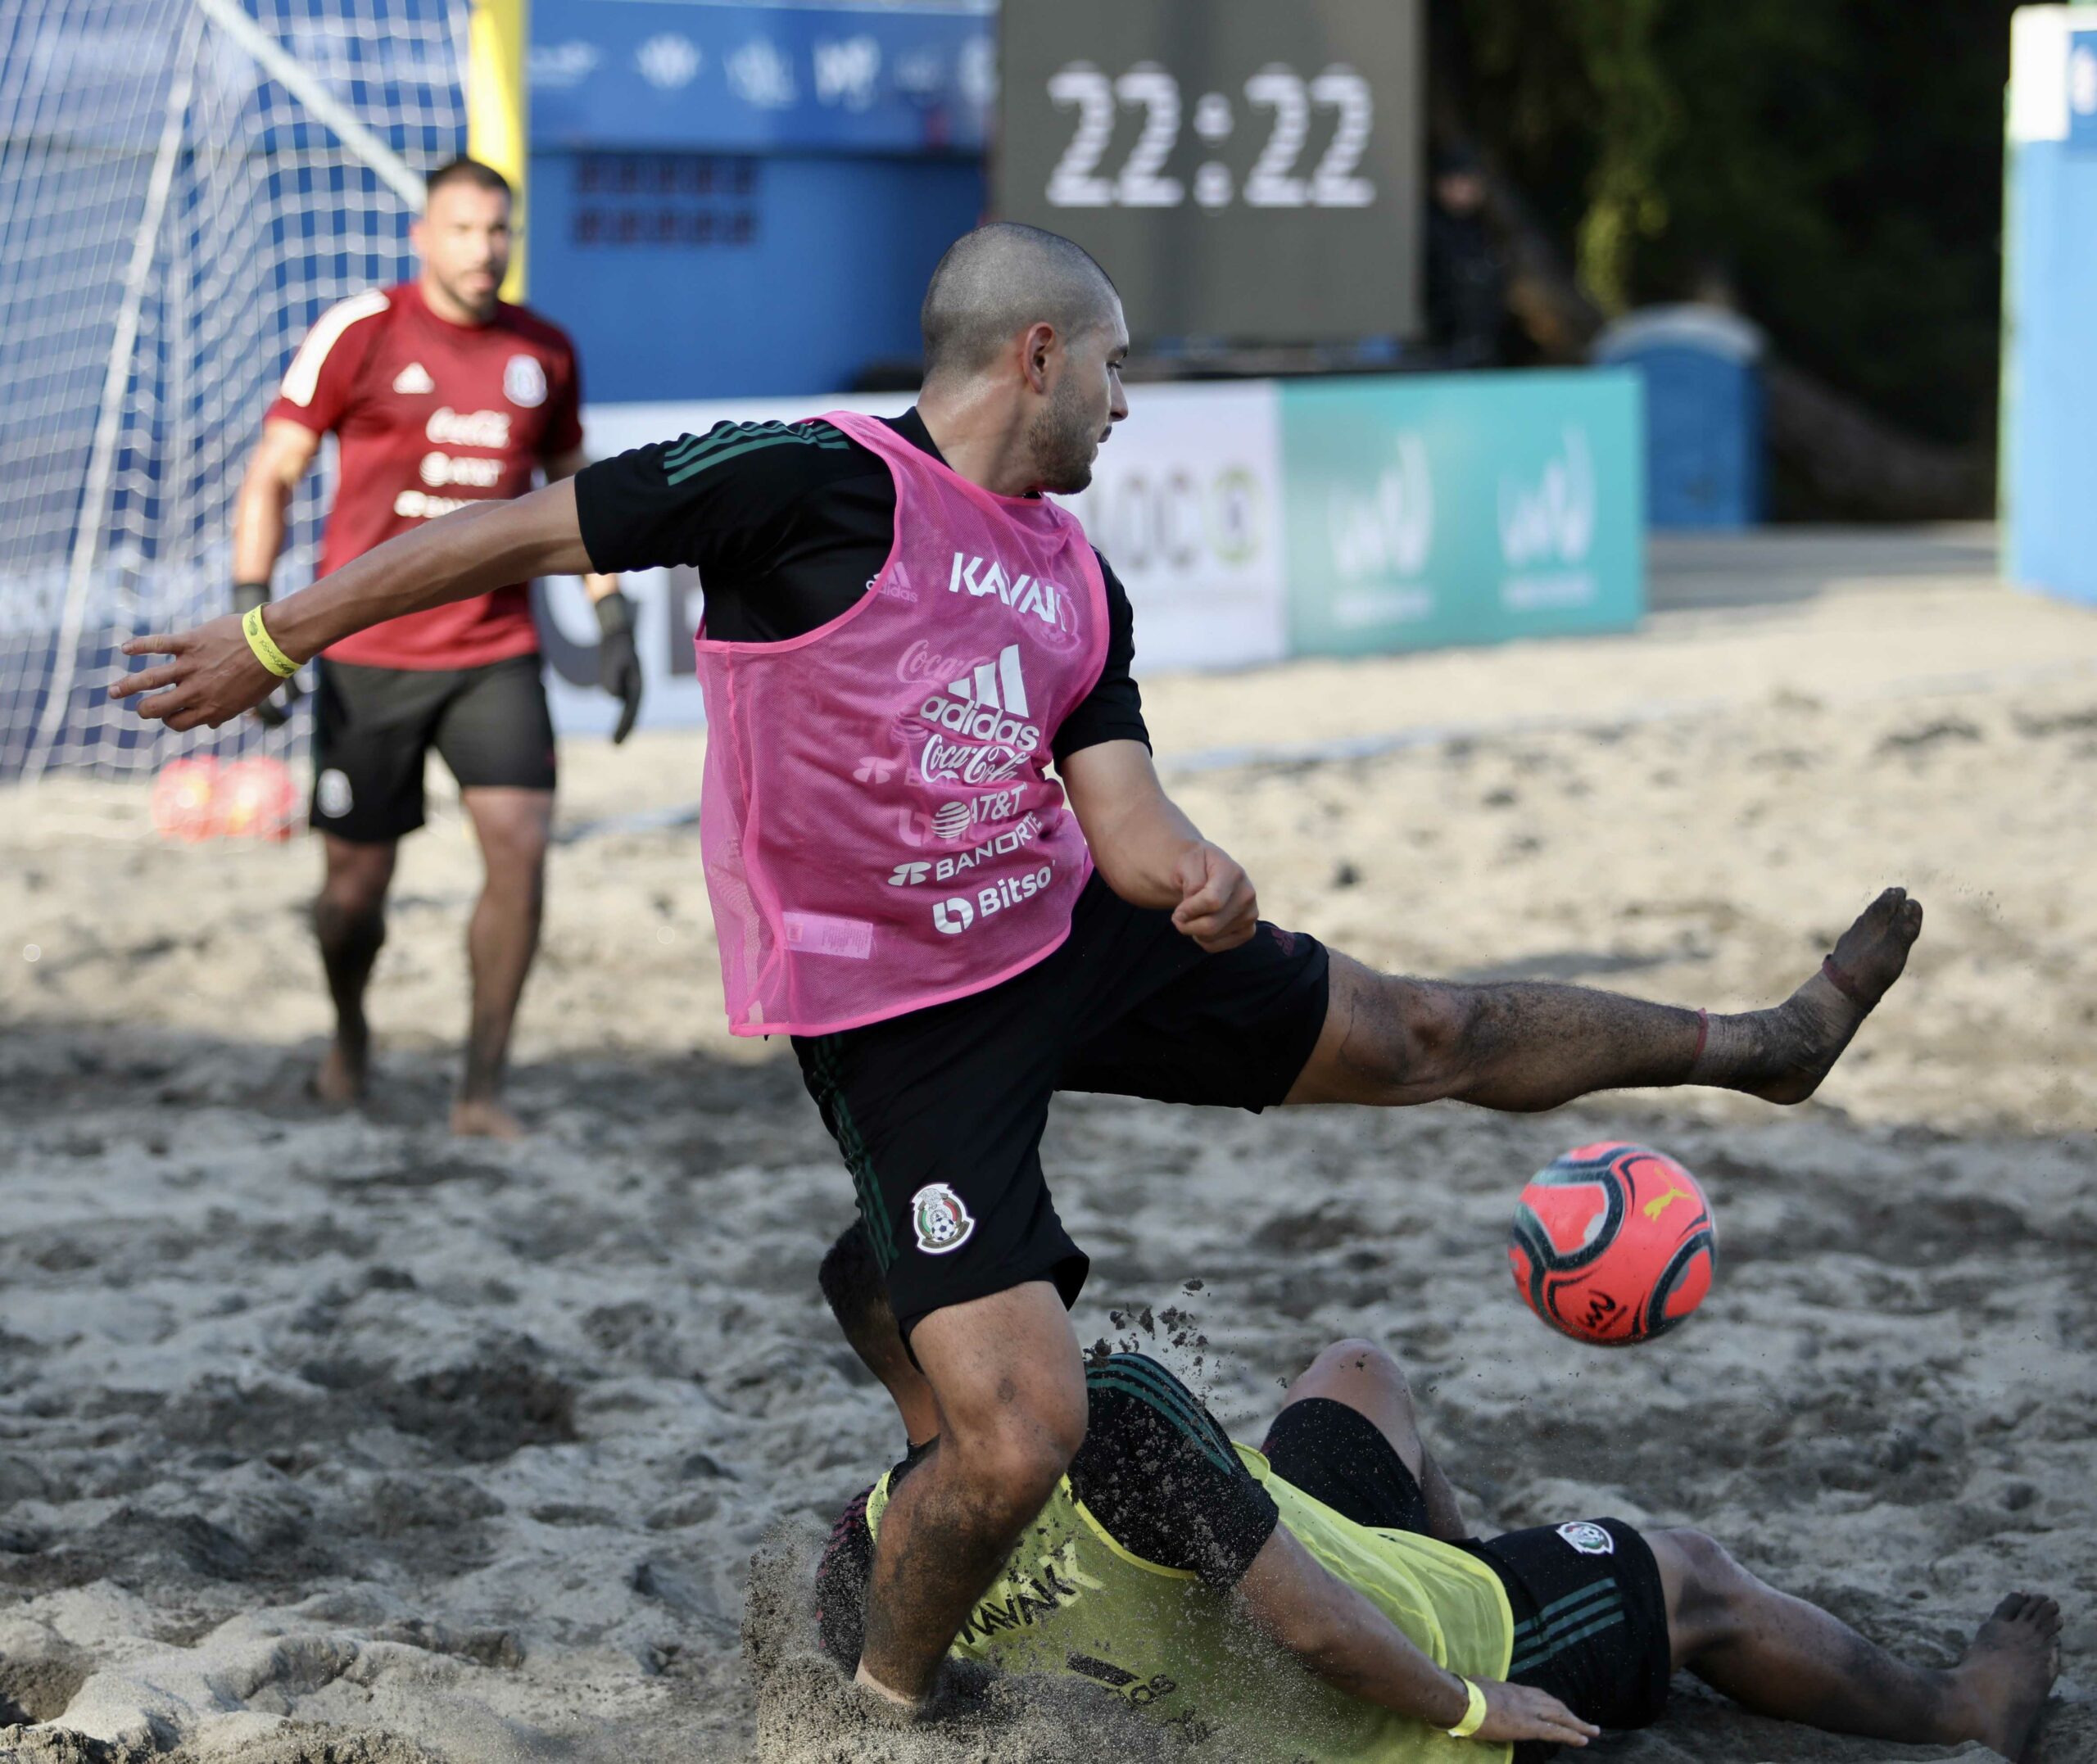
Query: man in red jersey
point(439, 395)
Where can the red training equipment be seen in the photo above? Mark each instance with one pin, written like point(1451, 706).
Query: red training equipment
point(1613, 1244)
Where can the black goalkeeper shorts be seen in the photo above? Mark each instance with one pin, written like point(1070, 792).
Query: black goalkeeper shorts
point(940, 1113)
point(372, 727)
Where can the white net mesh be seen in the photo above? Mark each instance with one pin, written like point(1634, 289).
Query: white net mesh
point(173, 218)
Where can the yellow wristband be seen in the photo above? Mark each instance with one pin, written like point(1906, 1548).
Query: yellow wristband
point(264, 646)
point(1474, 1716)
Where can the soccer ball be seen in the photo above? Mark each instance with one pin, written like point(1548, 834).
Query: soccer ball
point(1613, 1244)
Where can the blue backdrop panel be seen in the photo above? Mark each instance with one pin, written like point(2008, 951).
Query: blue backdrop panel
point(2049, 361)
point(673, 74)
point(721, 276)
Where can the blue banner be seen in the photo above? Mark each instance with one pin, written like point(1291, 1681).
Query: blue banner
point(692, 75)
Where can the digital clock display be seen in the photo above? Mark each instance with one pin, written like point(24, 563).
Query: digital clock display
point(1249, 171)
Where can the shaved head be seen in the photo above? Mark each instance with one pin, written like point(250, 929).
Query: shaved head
point(994, 283)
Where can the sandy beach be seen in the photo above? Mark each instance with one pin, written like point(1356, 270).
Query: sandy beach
point(330, 1438)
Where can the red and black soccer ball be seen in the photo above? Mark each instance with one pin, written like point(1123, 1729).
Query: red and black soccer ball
point(1613, 1244)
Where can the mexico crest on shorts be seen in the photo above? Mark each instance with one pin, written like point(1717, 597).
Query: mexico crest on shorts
point(939, 1219)
point(1589, 1538)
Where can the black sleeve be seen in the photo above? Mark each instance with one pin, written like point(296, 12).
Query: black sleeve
point(715, 501)
point(1160, 1474)
point(1113, 710)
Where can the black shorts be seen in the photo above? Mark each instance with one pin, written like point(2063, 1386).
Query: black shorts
point(1590, 1616)
point(372, 727)
point(940, 1113)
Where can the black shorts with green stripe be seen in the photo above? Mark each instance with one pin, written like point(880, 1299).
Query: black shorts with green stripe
point(1591, 1620)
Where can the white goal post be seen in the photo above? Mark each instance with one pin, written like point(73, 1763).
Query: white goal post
point(185, 187)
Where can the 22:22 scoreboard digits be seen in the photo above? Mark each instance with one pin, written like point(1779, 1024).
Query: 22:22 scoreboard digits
point(1276, 177)
point(1249, 171)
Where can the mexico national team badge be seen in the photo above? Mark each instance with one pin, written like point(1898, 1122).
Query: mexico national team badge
point(939, 1219)
point(1589, 1538)
point(524, 382)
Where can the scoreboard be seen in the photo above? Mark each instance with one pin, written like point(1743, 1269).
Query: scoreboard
point(1249, 171)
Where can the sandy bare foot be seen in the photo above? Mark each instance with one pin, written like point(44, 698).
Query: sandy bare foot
point(339, 1082)
point(1808, 1032)
point(2007, 1669)
point(480, 1117)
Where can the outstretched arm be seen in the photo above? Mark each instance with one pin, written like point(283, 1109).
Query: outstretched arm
point(1150, 852)
point(213, 675)
point(1344, 1639)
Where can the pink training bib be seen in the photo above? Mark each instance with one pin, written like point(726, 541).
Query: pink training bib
point(878, 829)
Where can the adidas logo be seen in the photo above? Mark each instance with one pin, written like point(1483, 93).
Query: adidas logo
point(987, 705)
point(998, 684)
point(413, 379)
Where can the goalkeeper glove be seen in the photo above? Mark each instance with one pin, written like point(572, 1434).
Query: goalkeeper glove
point(619, 661)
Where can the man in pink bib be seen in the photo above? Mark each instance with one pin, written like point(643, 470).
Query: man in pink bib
point(902, 637)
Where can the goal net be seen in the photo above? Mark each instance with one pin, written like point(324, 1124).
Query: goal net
point(185, 186)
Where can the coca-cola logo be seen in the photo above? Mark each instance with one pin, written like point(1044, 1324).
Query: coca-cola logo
point(921, 664)
point(964, 762)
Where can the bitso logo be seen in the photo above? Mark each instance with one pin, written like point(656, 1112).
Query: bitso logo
point(1589, 1538)
point(951, 917)
point(941, 1222)
point(1025, 594)
point(524, 382)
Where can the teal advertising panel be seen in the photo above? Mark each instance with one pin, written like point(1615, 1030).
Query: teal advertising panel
point(1456, 509)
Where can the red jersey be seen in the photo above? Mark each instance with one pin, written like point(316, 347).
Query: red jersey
point(430, 416)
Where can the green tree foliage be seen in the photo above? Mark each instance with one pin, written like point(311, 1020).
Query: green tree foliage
point(1836, 164)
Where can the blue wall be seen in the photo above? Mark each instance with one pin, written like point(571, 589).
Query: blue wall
point(733, 275)
point(735, 201)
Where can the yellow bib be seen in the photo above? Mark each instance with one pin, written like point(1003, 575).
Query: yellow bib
point(1071, 1600)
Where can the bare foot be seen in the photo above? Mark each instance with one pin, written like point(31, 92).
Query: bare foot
point(2007, 1669)
point(483, 1118)
point(340, 1081)
point(1805, 1035)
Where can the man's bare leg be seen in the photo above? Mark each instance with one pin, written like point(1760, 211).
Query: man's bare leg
point(349, 920)
point(1369, 1381)
point(1010, 1385)
point(514, 827)
point(1527, 1045)
point(1781, 1656)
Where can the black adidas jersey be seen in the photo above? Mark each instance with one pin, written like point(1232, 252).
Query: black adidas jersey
point(787, 528)
point(1156, 1469)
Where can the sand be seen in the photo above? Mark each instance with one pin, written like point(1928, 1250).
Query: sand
point(330, 1438)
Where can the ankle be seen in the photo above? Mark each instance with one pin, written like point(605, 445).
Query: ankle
point(883, 1696)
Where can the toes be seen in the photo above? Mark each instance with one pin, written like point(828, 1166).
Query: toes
point(2011, 1606)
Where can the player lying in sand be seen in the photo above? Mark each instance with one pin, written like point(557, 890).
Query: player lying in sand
point(903, 634)
point(1167, 1552)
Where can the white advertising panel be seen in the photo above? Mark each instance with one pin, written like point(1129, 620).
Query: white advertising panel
point(1186, 504)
